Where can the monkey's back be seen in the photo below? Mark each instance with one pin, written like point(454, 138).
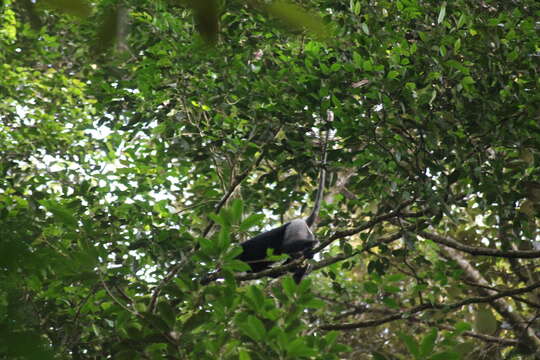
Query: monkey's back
point(255, 248)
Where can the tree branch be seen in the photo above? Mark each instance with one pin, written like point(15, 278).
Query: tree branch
point(367, 225)
point(526, 334)
point(476, 251)
point(271, 272)
point(434, 306)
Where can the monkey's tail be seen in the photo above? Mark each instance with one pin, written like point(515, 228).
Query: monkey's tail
point(322, 179)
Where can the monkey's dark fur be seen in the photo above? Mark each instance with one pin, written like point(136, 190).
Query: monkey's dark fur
point(294, 238)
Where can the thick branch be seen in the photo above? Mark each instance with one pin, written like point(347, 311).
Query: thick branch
point(473, 250)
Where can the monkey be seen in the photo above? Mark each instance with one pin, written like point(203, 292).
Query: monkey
point(294, 238)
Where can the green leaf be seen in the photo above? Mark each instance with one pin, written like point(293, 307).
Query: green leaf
point(250, 221)
point(357, 59)
point(457, 45)
point(255, 328)
point(392, 74)
point(467, 80)
point(364, 28)
point(219, 219)
point(356, 7)
point(371, 287)
point(224, 238)
point(335, 67)
point(461, 21)
point(315, 304)
point(462, 326)
point(289, 286)
point(298, 348)
point(208, 247)
point(157, 322)
point(428, 343)
point(237, 265)
point(243, 355)
point(391, 303)
point(256, 295)
point(227, 217)
point(61, 213)
point(411, 344)
point(194, 321)
point(167, 313)
point(237, 209)
point(442, 13)
point(485, 322)
point(391, 289)
point(234, 252)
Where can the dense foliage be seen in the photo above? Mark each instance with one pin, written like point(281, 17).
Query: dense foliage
point(135, 154)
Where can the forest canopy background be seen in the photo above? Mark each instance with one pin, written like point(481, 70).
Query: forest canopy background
point(140, 141)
